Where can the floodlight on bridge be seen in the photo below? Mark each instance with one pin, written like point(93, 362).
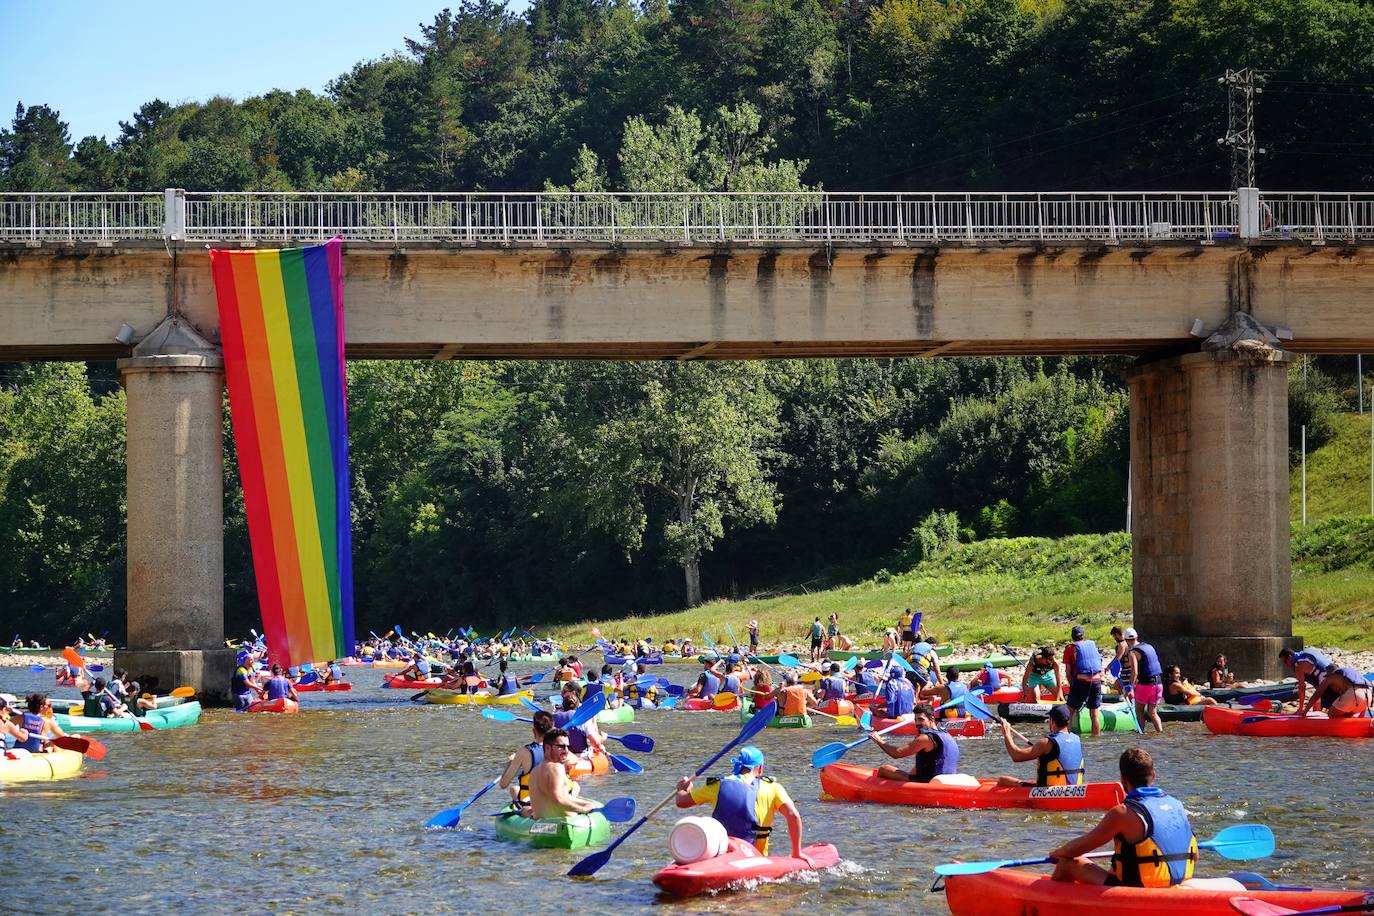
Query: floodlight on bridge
point(125, 334)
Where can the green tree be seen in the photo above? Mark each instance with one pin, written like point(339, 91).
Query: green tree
point(34, 151)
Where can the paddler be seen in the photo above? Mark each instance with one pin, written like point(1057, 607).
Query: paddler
point(833, 687)
point(242, 685)
point(552, 793)
point(707, 685)
point(896, 695)
point(730, 678)
point(1308, 666)
point(746, 802)
point(1083, 668)
point(8, 728)
point(925, 664)
point(586, 738)
point(522, 763)
point(793, 698)
point(635, 696)
point(1058, 756)
point(1349, 689)
point(1155, 846)
point(39, 725)
point(506, 683)
point(593, 685)
point(936, 752)
point(1141, 669)
point(333, 674)
point(989, 679)
point(948, 692)
point(1042, 673)
point(279, 687)
point(102, 704)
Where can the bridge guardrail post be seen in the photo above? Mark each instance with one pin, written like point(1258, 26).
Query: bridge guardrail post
point(174, 214)
point(1248, 206)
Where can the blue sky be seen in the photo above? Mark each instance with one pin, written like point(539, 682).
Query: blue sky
point(96, 61)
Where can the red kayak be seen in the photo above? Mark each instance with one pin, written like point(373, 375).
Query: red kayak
point(739, 864)
point(411, 684)
point(316, 687)
point(1015, 892)
point(697, 704)
point(284, 705)
point(855, 783)
point(960, 728)
point(1012, 695)
point(1223, 720)
point(837, 707)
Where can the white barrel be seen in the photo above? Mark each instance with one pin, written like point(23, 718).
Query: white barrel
point(696, 838)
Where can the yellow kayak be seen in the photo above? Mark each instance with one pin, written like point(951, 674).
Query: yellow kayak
point(454, 698)
point(55, 765)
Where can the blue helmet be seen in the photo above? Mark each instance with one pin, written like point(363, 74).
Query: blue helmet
point(747, 758)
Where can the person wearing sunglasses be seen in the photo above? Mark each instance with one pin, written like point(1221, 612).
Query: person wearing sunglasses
point(552, 792)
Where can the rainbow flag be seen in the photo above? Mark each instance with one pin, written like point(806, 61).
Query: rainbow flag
point(281, 327)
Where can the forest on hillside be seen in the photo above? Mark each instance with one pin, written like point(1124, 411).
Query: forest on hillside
point(507, 492)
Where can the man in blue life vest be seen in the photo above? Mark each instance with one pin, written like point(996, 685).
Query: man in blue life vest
point(1154, 843)
point(1058, 755)
point(936, 752)
point(896, 695)
point(1141, 669)
point(1307, 666)
point(926, 664)
point(948, 692)
point(279, 686)
point(707, 685)
point(1083, 668)
point(832, 687)
point(746, 802)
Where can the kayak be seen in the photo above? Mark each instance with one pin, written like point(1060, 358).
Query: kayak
point(1180, 712)
point(571, 831)
point(1014, 892)
point(844, 655)
point(454, 698)
point(837, 707)
point(961, 728)
point(746, 712)
point(284, 705)
point(621, 715)
point(1117, 718)
point(589, 766)
point(618, 660)
point(41, 650)
point(170, 717)
point(1284, 690)
point(57, 764)
point(1013, 695)
point(856, 783)
point(1226, 720)
point(697, 704)
point(316, 687)
point(412, 684)
point(976, 664)
point(740, 863)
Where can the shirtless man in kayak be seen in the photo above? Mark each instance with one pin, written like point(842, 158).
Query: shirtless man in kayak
point(552, 793)
point(936, 752)
point(1058, 756)
point(521, 764)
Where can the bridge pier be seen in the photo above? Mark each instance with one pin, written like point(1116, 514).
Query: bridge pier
point(174, 384)
point(1210, 547)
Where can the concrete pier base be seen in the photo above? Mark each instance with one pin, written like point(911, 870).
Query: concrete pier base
point(1209, 487)
point(174, 385)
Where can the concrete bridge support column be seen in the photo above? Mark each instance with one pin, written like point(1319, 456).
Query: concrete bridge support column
point(174, 386)
point(1209, 487)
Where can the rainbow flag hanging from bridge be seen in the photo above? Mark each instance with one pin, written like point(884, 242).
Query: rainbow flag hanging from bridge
point(281, 327)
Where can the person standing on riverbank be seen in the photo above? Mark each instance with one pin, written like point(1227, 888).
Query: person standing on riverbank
point(817, 640)
point(753, 637)
point(904, 632)
point(1083, 668)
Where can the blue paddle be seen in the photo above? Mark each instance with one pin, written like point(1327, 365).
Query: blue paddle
point(624, 764)
point(640, 743)
point(706, 637)
point(452, 816)
point(594, 862)
point(617, 810)
point(37, 668)
point(1254, 882)
point(827, 754)
point(789, 661)
point(1243, 841)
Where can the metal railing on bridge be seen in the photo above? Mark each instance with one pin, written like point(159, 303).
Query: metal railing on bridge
point(1109, 217)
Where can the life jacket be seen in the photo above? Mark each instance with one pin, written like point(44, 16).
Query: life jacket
point(93, 707)
point(278, 688)
point(898, 697)
point(793, 701)
point(1167, 854)
point(1319, 660)
point(834, 687)
point(956, 690)
point(33, 723)
point(577, 738)
point(1041, 666)
point(1063, 765)
point(1086, 659)
point(730, 684)
point(592, 689)
point(1151, 672)
point(536, 749)
point(508, 685)
point(239, 683)
point(992, 679)
point(865, 682)
point(710, 685)
point(942, 761)
point(1114, 666)
point(737, 809)
point(1355, 678)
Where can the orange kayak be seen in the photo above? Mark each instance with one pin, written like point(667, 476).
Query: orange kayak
point(855, 783)
point(739, 864)
point(1015, 892)
point(285, 704)
point(593, 766)
point(837, 707)
point(1223, 720)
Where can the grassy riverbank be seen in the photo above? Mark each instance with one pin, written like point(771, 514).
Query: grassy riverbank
point(1027, 591)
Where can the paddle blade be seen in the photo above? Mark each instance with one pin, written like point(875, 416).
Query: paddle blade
point(976, 706)
point(789, 661)
point(846, 720)
point(37, 668)
point(980, 868)
point(723, 700)
point(670, 702)
point(80, 745)
point(183, 692)
point(827, 754)
point(1249, 906)
point(906, 665)
point(851, 664)
point(530, 704)
point(536, 678)
point(499, 715)
point(624, 765)
point(810, 677)
point(97, 667)
point(641, 743)
point(1243, 841)
point(619, 810)
point(591, 865)
point(866, 720)
point(144, 726)
point(588, 710)
point(675, 690)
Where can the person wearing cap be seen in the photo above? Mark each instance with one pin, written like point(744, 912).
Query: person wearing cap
point(989, 679)
point(896, 695)
point(1141, 669)
point(1058, 756)
point(746, 802)
point(753, 637)
point(936, 752)
point(142, 702)
point(1083, 668)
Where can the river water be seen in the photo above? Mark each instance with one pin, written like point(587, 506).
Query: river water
point(322, 811)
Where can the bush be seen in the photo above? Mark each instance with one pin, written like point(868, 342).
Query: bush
point(1336, 543)
point(1314, 399)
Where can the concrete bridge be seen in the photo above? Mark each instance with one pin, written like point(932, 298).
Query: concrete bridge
point(1214, 291)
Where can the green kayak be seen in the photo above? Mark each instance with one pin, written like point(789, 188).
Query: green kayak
point(621, 715)
point(746, 712)
point(844, 655)
point(170, 717)
point(976, 664)
point(1118, 718)
point(572, 831)
point(41, 650)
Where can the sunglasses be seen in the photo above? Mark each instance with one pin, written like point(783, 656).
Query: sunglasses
point(563, 747)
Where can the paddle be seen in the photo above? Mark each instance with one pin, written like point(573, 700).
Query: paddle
point(37, 668)
point(452, 816)
point(641, 743)
point(723, 700)
point(705, 636)
point(1254, 882)
point(596, 861)
point(1243, 841)
point(1252, 907)
point(827, 754)
point(624, 764)
point(183, 692)
point(789, 661)
point(839, 720)
point(617, 810)
point(88, 746)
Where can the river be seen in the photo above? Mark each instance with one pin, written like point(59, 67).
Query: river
point(322, 811)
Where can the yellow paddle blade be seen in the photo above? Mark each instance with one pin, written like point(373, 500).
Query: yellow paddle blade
point(810, 677)
point(183, 692)
point(846, 720)
point(722, 700)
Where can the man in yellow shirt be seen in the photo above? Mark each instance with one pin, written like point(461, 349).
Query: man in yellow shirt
point(746, 802)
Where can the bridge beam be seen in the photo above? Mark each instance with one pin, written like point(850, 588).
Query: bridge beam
point(174, 384)
point(1209, 486)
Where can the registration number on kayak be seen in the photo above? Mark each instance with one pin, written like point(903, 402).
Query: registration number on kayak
point(1059, 792)
point(544, 828)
